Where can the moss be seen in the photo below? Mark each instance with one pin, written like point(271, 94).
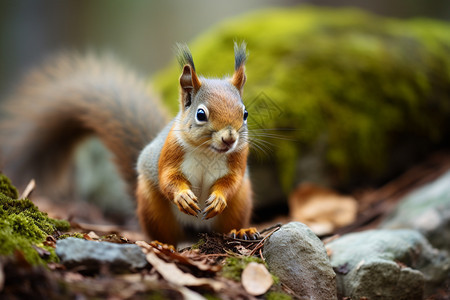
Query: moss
point(365, 85)
point(23, 226)
point(7, 189)
point(197, 245)
point(77, 235)
point(211, 297)
point(277, 296)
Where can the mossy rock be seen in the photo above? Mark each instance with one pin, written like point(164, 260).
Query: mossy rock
point(23, 226)
point(364, 96)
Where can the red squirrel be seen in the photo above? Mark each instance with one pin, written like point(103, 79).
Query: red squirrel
point(191, 174)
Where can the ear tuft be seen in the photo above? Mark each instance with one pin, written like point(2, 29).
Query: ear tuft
point(189, 81)
point(240, 57)
point(184, 55)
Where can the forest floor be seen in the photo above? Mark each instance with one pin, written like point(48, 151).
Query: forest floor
point(213, 268)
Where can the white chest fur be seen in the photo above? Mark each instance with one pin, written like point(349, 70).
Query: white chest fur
point(202, 169)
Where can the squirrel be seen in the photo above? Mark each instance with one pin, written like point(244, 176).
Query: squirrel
point(189, 175)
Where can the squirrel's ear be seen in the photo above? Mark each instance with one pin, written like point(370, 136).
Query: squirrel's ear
point(189, 83)
point(240, 56)
point(239, 78)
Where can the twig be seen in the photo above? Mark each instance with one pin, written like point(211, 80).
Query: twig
point(28, 190)
point(261, 243)
point(289, 291)
point(278, 225)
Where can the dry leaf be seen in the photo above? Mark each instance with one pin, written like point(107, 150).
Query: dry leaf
point(50, 241)
point(171, 273)
point(323, 210)
point(189, 294)
point(243, 251)
point(167, 252)
point(93, 235)
point(256, 279)
point(144, 245)
point(73, 277)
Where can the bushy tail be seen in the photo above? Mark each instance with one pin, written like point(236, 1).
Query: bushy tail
point(67, 99)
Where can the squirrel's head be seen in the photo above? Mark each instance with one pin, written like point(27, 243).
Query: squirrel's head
point(212, 114)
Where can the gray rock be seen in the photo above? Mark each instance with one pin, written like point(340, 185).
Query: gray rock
point(387, 264)
point(426, 210)
point(91, 254)
point(298, 257)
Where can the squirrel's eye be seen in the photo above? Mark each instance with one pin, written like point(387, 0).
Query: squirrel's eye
point(245, 115)
point(201, 115)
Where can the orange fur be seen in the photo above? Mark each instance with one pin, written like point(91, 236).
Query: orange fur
point(239, 78)
point(196, 83)
point(155, 214)
point(237, 193)
point(171, 180)
point(154, 204)
point(238, 211)
point(230, 183)
point(221, 112)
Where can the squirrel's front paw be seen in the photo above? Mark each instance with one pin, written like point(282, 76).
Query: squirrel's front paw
point(215, 204)
point(187, 202)
point(245, 234)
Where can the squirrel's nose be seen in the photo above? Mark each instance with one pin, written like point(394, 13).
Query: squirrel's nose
point(229, 141)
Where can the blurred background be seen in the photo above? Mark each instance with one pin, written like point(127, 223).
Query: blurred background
point(143, 33)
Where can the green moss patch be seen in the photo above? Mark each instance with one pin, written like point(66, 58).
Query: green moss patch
point(23, 226)
point(358, 90)
point(77, 235)
point(277, 296)
point(7, 189)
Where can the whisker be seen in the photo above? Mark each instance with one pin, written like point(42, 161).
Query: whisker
point(269, 146)
point(272, 136)
point(259, 146)
point(259, 150)
point(273, 129)
point(201, 145)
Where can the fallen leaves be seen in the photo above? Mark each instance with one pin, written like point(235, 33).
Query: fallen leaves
point(192, 259)
point(193, 269)
point(171, 273)
point(192, 273)
point(323, 210)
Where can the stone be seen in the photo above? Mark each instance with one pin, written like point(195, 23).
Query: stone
point(427, 210)
point(298, 257)
point(119, 258)
point(387, 264)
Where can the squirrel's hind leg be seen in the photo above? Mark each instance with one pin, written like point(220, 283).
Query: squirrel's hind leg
point(155, 214)
point(236, 215)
